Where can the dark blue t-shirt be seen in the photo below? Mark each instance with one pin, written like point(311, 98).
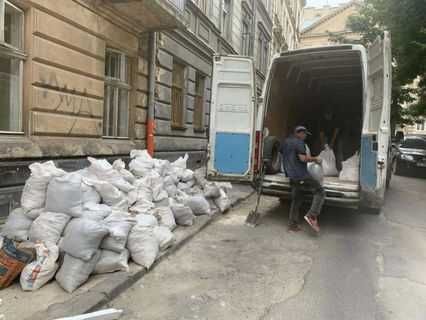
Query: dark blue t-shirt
point(294, 167)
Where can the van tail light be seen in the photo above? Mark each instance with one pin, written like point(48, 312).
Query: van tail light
point(257, 148)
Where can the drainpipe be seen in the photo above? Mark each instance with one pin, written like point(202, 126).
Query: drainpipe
point(150, 123)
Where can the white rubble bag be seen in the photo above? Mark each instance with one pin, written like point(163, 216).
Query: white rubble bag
point(34, 213)
point(74, 272)
point(183, 214)
point(96, 211)
point(142, 206)
point(143, 245)
point(316, 172)
point(223, 202)
point(104, 171)
point(350, 169)
point(198, 204)
point(146, 220)
point(34, 192)
point(142, 191)
point(111, 195)
point(48, 227)
point(64, 195)
point(165, 237)
point(328, 162)
point(83, 238)
point(119, 225)
point(120, 166)
point(111, 261)
point(211, 190)
point(162, 167)
point(165, 217)
point(17, 225)
point(42, 270)
point(141, 163)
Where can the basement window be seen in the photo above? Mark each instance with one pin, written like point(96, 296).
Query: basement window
point(11, 67)
point(117, 93)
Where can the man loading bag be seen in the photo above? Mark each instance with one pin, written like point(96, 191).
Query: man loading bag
point(296, 159)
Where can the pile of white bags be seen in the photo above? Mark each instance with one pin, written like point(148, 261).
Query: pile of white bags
point(350, 169)
point(103, 215)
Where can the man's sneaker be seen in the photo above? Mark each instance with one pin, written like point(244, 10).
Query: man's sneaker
point(294, 228)
point(313, 222)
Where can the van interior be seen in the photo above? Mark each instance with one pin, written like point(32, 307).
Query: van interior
point(306, 85)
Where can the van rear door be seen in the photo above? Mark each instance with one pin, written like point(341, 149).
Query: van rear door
point(376, 129)
point(232, 119)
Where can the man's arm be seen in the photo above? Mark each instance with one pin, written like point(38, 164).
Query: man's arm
point(306, 158)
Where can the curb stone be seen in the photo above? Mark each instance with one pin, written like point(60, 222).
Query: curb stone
point(116, 283)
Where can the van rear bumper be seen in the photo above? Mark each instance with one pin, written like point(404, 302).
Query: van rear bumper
point(334, 196)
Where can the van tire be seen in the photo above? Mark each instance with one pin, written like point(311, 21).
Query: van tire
point(271, 151)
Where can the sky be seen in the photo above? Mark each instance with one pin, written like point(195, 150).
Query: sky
point(318, 3)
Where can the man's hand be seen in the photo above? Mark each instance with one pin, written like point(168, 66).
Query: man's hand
point(318, 160)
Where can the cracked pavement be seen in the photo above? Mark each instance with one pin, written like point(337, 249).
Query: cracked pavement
point(360, 267)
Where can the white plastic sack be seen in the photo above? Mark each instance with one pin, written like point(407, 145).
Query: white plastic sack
point(48, 227)
point(34, 213)
point(162, 167)
point(328, 162)
point(350, 169)
point(89, 194)
point(183, 214)
point(181, 162)
point(185, 186)
point(74, 272)
point(119, 226)
point(34, 192)
point(223, 203)
point(316, 172)
point(110, 194)
point(146, 220)
point(96, 211)
point(120, 166)
point(39, 272)
point(187, 175)
point(198, 204)
point(83, 238)
point(64, 195)
point(143, 245)
point(164, 236)
point(142, 206)
point(211, 190)
point(111, 261)
point(165, 217)
point(105, 172)
point(142, 191)
point(200, 177)
point(17, 225)
point(142, 163)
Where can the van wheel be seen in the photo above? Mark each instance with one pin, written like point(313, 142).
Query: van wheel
point(271, 152)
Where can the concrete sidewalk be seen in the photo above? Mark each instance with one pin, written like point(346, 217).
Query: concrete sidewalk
point(51, 302)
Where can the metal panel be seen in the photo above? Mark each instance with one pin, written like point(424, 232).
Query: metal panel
point(232, 153)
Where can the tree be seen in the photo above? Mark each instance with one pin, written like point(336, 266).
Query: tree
point(406, 20)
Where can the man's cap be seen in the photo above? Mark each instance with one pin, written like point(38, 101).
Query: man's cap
point(302, 128)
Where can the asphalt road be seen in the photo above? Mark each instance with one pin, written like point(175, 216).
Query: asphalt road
point(360, 267)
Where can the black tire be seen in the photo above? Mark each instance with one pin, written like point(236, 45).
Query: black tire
point(271, 153)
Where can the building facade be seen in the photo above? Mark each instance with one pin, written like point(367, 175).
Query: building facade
point(319, 23)
point(102, 77)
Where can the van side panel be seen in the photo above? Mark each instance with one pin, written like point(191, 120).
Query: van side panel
point(232, 152)
point(368, 163)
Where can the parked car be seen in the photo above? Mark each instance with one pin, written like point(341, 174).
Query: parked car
point(411, 158)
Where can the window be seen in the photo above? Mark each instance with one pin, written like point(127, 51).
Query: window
point(11, 66)
point(117, 92)
point(246, 36)
point(199, 102)
point(226, 18)
point(178, 86)
point(262, 57)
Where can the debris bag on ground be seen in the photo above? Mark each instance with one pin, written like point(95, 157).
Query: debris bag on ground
point(164, 236)
point(111, 261)
point(350, 169)
point(328, 162)
point(34, 213)
point(13, 259)
point(146, 220)
point(141, 162)
point(143, 245)
point(17, 225)
point(198, 204)
point(119, 225)
point(316, 172)
point(96, 211)
point(111, 195)
point(223, 203)
point(162, 167)
point(120, 166)
point(200, 177)
point(105, 172)
point(34, 192)
point(39, 272)
point(165, 217)
point(142, 206)
point(89, 194)
point(142, 191)
point(64, 194)
point(74, 272)
point(211, 190)
point(48, 227)
point(183, 214)
point(187, 175)
point(83, 237)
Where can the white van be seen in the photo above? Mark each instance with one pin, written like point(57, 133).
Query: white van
point(244, 129)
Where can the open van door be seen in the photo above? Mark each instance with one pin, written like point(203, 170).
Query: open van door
point(376, 129)
point(232, 119)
